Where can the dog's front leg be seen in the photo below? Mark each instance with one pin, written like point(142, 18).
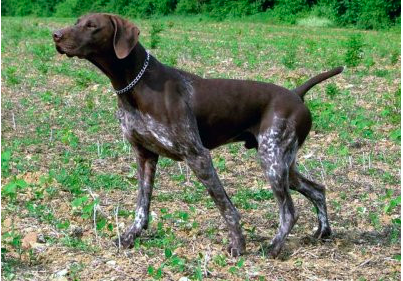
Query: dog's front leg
point(203, 168)
point(146, 167)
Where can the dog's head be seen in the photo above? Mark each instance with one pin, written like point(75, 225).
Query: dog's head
point(97, 34)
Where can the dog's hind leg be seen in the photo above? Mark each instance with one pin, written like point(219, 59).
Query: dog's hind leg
point(202, 166)
point(277, 149)
point(316, 194)
point(146, 167)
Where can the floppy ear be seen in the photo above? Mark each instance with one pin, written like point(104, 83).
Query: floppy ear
point(125, 38)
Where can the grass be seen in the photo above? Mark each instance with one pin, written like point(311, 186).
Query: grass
point(313, 21)
point(70, 177)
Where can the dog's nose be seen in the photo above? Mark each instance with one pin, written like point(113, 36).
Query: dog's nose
point(57, 35)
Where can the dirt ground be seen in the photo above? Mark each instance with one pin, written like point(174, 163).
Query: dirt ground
point(69, 182)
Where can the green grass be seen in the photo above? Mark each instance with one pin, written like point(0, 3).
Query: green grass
point(63, 155)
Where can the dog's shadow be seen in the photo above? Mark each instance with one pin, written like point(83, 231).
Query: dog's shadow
point(344, 241)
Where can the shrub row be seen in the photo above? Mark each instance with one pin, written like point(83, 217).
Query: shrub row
point(369, 14)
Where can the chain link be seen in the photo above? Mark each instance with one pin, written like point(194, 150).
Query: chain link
point(135, 80)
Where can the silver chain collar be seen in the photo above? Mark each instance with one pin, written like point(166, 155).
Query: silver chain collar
point(135, 80)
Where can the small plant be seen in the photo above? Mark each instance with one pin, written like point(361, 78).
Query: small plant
point(354, 53)
point(11, 75)
point(332, 90)
point(155, 273)
point(11, 239)
point(172, 60)
point(220, 163)
point(11, 189)
point(156, 29)
point(289, 59)
point(68, 137)
point(374, 218)
point(5, 163)
point(396, 135)
point(392, 204)
point(220, 260)
point(394, 57)
point(238, 265)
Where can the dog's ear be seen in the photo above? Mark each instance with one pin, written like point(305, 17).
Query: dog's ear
point(125, 38)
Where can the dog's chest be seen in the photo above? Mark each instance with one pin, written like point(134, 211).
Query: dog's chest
point(145, 130)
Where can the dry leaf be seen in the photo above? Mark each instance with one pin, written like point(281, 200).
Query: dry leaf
point(29, 240)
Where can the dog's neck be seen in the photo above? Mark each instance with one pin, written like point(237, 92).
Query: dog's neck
point(121, 71)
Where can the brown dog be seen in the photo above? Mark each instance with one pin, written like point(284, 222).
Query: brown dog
point(167, 111)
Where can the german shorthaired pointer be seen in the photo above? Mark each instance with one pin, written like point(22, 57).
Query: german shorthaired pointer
point(169, 112)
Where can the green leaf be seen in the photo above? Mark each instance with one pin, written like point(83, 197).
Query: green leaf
point(168, 253)
point(396, 135)
point(10, 188)
point(101, 223)
point(5, 162)
point(392, 204)
point(240, 262)
point(150, 270)
point(158, 274)
point(63, 225)
point(79, 201)
point(21, 183)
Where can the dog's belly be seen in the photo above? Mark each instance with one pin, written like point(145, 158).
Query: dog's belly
point(146, 131)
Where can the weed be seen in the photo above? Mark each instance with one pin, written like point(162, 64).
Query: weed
point(354, 50)
point(5, 163)
point(393, 203)
point(332, 90)
point(155, 273)
point(396, 135)
point(68, 137)
point(374, 219)
point(11, 75)
point(77, 243)
point(290, 58)
point(219, 163)
point(41, 212)
point(394, 57)
point(220, 260)
point(155, 38)
point(381, 72)
point(12, 188)
point(11, 239)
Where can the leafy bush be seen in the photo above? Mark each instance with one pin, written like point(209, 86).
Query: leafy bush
point(27, 7)
point(221, 9)
point(371, 14)
point(188, 7)
point(154, 34)
point(353, 54)
point(66, 8)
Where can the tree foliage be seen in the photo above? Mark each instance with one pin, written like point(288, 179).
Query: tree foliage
point(369, 14)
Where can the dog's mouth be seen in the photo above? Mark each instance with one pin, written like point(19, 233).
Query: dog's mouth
point(69, 52)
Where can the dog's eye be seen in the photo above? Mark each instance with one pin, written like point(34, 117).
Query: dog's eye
point(90, 25)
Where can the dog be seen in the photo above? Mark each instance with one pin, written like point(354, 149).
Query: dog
point(169, 112)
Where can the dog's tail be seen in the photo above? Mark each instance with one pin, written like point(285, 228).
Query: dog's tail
point(301, 90)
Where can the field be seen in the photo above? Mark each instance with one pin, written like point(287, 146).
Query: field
point(69, 181)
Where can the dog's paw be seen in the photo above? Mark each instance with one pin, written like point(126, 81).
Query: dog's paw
point(235, 252)
point(125, 241)
point(323, 233)
point(237, 247)
point(273, 250)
